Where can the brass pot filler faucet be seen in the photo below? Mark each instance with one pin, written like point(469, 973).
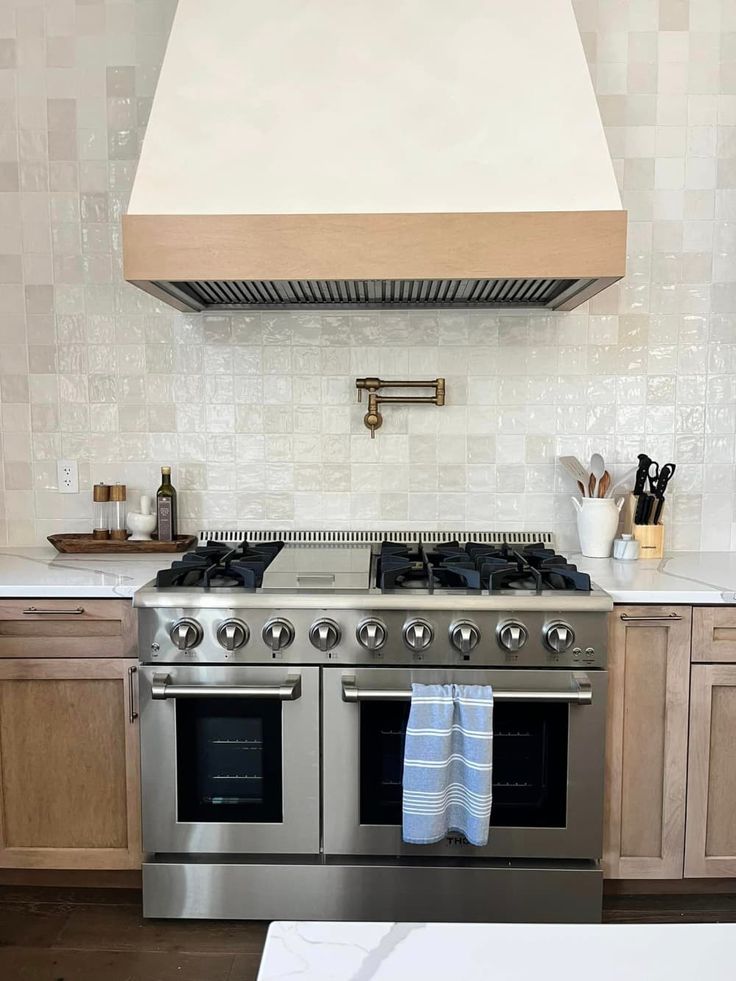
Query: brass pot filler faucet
point(373, 417)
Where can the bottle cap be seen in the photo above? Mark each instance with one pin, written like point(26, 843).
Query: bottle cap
point(117, 492)
point(101, 493)
point(166, 471)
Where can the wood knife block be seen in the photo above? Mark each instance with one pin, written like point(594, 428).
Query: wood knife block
point(650, 537)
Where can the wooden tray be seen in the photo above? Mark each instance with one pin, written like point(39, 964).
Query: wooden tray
point(80, 544)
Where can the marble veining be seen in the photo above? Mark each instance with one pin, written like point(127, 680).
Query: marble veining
point(502, 952)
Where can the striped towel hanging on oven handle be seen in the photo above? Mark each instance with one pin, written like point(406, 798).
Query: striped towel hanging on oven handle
point(448, 764)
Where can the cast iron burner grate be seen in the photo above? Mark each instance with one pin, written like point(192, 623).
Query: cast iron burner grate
point(217, 565)
point(476, 567)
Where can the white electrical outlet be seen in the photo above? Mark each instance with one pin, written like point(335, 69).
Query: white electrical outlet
point(67, 476)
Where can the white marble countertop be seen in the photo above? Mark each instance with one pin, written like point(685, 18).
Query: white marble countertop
point(504, 952)
point(680, 577)
point(43, 572)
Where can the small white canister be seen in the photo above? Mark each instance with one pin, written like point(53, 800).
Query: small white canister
point(597, 524)
point(626, 548)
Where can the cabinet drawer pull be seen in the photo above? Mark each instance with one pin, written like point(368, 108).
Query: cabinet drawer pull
point(32, 611)
point(665, 616)
point(132, 714)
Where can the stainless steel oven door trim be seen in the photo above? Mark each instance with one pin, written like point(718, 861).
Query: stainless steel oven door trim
point(581, 693)
point(298, 693)
point(345, 835)
point(163, 687)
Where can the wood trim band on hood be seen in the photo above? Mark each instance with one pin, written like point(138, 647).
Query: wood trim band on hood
point(542, 244)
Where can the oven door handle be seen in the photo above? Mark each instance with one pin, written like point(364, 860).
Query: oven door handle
point(161, 687)
point(580, 694)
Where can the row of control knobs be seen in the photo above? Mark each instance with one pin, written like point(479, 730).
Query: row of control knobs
point(371, 634)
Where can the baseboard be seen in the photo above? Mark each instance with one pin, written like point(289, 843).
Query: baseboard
point(82, 878)
point(664, 887)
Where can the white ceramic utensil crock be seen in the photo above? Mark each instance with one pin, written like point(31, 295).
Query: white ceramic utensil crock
point(597, 524)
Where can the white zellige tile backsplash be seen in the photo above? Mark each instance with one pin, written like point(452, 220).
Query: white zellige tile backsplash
point(257, 413)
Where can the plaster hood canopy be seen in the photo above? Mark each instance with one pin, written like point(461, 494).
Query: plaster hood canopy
point(399, 153)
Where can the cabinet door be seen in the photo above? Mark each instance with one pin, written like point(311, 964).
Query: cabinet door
point(714, 633)
point(69, 764)
point(646, 745)
point(711, 791)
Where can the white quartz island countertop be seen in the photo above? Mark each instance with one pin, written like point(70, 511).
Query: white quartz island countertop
point(498, 951)
point(690, 578)
point(44, 572)
point(682, 577)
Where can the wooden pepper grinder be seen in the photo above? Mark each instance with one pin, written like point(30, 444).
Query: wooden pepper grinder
point(118, 497)
point(101, 509)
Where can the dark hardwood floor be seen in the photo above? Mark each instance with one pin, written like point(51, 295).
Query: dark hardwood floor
point(72, 934)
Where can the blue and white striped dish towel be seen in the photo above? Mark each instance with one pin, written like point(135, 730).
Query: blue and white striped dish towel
point(448, 763)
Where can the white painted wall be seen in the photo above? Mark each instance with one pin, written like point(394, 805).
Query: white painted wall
point(287, 106)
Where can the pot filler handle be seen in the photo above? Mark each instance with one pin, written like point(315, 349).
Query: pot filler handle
point(580, 694)
point(289, 691)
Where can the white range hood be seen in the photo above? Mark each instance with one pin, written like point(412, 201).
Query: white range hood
point(374, 153)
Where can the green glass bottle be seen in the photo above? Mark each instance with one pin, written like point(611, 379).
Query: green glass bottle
point(166, 507)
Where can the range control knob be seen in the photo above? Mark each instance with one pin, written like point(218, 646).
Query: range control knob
point(512, 635)
point(371, 634)
point(233, 634)
point(559, 636)
point(277, 634)
point(464, 636)
point(418, 635)
point(186, 634)
point(325, 634)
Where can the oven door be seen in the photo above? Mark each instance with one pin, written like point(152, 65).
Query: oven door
point(230, 759)
point(548, 749)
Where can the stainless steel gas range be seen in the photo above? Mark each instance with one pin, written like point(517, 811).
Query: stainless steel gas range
point(275, 690)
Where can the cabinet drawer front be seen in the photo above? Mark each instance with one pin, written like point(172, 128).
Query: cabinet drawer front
point(711, 794)
point(67, 628)
point(714, 633)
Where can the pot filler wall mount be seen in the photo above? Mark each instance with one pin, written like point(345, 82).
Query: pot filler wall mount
point(456, 160)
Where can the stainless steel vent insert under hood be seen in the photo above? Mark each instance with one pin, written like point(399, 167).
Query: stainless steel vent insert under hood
point(301, 155)
point(390, 293)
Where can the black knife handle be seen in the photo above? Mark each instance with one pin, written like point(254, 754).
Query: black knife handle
point(642, 473)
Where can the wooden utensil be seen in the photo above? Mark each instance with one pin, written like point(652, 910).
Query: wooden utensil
point(597, 469)
point(604, 483)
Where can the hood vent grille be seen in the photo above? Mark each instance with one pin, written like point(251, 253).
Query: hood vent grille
point(397, 293)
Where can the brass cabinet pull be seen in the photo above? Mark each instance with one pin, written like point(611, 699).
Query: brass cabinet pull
point(132, 714)
point(32, 611)
point(662, 617)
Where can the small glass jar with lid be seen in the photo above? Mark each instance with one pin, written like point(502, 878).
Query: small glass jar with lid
point(101, 511)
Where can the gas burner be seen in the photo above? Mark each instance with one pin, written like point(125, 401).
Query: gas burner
point(221, 566)
point(476, 567)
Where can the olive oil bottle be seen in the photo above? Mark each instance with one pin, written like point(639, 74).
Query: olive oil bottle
point(166, 508)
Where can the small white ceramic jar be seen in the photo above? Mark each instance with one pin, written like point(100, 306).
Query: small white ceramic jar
point(626, 548)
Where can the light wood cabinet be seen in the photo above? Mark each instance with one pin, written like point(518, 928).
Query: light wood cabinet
point(69, 757)
point(711, 794)
point(69, 743)
point(646, 745)
point(714, 633)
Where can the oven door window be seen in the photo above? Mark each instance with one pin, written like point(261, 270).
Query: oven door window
point(229, 760)
point(529, 764)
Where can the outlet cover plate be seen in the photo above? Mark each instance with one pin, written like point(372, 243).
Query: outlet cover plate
point(67, 475)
